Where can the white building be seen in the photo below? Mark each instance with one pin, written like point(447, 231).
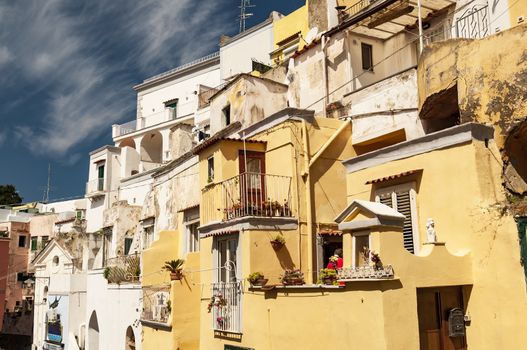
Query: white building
point(60, 299)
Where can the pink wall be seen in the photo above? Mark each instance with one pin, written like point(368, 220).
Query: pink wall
point(4, 262)
point(18, 262)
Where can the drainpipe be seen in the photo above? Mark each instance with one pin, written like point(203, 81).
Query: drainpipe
point(305, 175)
point(325, 73)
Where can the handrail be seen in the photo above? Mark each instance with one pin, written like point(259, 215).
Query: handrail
point(186, 65)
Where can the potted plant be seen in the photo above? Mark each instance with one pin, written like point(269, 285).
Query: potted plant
point(174, 267)
point(293, 277)
point(372, 258)
point(257, 279)
point(278, 241)
point(217, 301)
point(328, 276)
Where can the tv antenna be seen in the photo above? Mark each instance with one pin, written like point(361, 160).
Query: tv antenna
point(48, 187)
point(244, 5)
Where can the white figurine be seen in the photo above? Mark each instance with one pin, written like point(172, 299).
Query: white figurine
point(430, 231)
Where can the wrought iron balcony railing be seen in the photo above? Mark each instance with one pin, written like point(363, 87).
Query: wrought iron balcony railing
point(123, 269)
point(226, 307)
point(247, 194)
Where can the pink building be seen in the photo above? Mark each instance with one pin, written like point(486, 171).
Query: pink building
point(4, 264)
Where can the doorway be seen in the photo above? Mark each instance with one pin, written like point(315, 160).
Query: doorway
point(435, 306)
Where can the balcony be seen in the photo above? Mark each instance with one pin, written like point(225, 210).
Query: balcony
point(123, 129)
point(123, 269)
point(225, 306)
point(95, 187)
point(247, 194)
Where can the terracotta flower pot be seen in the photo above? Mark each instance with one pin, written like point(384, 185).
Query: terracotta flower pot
point(293, 281)
point(176, 276)
point(276, 245)
point(329, 280)
point(260, 282)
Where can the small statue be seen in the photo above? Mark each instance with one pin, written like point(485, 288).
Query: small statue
point(430, 231)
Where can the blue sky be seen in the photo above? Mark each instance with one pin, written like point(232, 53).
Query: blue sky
point(67, 68)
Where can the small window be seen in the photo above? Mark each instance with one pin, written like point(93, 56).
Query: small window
point(55, 261)
point(20, 277)
point(100, 177)
point(79, 214)
point(127, 245)
point(210, 169)
point(193, 237)
point(361, 244)
point(367, 57)
point(34, 243)
point(172, 110)
point(22, 241)
point(45, 240)
point(148, 236)
point(226, 115)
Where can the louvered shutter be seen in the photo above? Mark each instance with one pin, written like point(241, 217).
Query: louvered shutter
point(403, 206)
point(400, 198)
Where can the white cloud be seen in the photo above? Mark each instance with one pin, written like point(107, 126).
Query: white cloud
point(86, 87)
point(5, 55)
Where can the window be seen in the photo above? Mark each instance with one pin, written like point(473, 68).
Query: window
point(44, 241)
point(56, 261)
point(20, 277)
point(22, 241)
point(100, 177)
point(226, 111)
point(127, 245)
point(210, 169)
point(226, 258)
point(402, 199)
point(148, 236)
point(193, 238)
point(79, 214)
point(107, 243)
point(367, 56)
point(34, 243)
point(172, 110)
point(361, 242)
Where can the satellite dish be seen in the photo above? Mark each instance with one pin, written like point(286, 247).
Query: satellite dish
point(311, 35)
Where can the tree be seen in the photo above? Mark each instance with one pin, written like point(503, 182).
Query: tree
point(9, 195)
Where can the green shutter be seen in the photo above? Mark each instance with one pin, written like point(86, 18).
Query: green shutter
point(34, 243)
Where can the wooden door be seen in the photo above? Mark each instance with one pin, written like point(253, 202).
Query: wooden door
point(433, 308)
point(252, 181)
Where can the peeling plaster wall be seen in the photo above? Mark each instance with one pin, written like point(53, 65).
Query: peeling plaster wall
point(251, 99)
point(125, 219)
point(181, 140)
point(491, 78)
point(173, 191)
point(384, 107)
point(344, 67)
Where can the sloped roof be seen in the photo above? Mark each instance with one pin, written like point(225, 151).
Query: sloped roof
point(49, 246)
point(374, 208)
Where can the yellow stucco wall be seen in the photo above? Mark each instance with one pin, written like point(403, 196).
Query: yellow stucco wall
point(460, 190)
point(517, 9)
point(296, 21)
point(184, 294)
point(491, 85)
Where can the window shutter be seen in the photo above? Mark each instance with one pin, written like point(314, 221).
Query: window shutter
point(404, 207)
point(386, 199)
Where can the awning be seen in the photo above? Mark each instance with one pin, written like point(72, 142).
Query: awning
point(219, 233)
point(392, 177)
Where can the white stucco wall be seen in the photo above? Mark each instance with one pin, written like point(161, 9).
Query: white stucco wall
point(151, 109)
point(62, 282)
point(235, 57)
point(117, 307)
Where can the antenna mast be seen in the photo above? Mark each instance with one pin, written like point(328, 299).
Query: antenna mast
point(244, 5)
point(48, 187)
